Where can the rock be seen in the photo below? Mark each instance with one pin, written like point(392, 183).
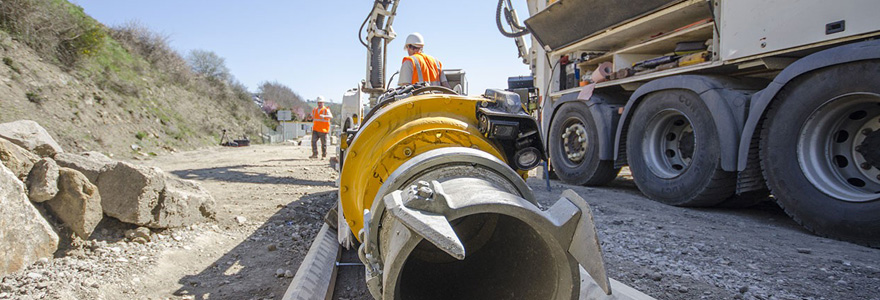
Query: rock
point(78, 203)
point(272, 247)
point(17, 159)
point(139, 235)
point(804, 250)
point(240, 220)
point(656, 276)
point(279, 272)
point(25, 236)
point(142, 232)
point(744, 289)
point(131, 192)
point(182, 203)
point(288, 274)
point(31, 136)
point(42, 181)
point(91, 164)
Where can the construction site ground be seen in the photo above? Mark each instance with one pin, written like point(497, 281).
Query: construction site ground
point(272, 199)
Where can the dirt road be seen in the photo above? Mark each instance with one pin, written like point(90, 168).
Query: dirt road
point(271, 202)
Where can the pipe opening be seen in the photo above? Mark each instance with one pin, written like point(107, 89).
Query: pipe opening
point(505, 259)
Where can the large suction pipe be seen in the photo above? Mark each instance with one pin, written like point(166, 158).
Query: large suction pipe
point(441, 213)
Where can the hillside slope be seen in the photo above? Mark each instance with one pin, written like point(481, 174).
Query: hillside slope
point(115, 100)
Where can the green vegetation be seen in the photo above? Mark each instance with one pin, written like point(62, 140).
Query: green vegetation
point(54, 28)
point(9, 63)
point(131, 73)
point(34, 97)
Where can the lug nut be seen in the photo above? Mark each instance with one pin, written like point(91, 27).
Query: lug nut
point(424, 189)
point(866, 166)
point(866, 131)
point(426, 192)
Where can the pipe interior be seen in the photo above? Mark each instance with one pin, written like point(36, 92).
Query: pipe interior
point(505, 259)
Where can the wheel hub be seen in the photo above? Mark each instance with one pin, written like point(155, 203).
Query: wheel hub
point(574, 141)
point(669, 144)
point(839, 147)
point(870, 149)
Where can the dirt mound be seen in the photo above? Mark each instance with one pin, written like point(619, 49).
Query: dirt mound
point(118, 102)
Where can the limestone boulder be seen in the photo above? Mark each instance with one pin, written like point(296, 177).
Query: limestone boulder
point(91, 164)
point(31, 136)
point(42, 181)
point(25, 236)
point(17, 159)
point(77, 203)
point(182, 203)
point(130, 192)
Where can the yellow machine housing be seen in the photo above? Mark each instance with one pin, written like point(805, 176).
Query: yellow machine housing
point(400, 131)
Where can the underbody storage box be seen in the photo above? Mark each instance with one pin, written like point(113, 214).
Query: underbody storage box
point(567, 21)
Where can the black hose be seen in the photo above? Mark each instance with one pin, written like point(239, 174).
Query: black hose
point(361, 30)
point(441, 89)
point(391, 80)
point(508, 17)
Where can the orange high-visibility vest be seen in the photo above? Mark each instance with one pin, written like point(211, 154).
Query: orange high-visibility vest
point(320, 124)
point(425, 68)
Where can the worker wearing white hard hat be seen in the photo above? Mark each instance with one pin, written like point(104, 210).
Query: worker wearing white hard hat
point(418, 66)
point(321, 117)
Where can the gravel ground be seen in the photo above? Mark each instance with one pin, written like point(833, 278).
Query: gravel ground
point(271, 201)
point(688, 253)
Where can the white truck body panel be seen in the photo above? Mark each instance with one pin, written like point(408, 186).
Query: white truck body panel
point(753, 27)
point(353, 102)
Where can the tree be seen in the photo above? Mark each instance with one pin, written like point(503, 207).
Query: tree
point(283, 97)
point(208, 64)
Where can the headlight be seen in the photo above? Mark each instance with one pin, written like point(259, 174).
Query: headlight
point(527, 158)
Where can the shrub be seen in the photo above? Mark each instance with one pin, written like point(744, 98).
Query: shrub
point(154, 48)
point(56, 29)
point(9, 63)
point(34, 97)
point(140, 135)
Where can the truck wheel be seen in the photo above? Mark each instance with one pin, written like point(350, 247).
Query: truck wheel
point(820, 151)
point(574, 148)
point(674, 153)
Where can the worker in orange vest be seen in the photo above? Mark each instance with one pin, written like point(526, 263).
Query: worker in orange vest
point(420, 67)
point(321, 117)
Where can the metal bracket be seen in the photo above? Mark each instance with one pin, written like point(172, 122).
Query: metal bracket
point(432, 226)
point(428, 197)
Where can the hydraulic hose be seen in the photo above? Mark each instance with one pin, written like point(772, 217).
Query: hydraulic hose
point(509, 18)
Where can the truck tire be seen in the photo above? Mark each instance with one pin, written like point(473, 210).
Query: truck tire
point(574, 150)
point(820, 151)
point(674, 151)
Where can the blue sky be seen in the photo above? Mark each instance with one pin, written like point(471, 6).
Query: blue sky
point(312, 46)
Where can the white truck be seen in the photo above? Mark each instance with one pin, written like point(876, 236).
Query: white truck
point(718, 102)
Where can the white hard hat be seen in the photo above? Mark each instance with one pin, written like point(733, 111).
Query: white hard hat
point(320, 99)
point(415, 39)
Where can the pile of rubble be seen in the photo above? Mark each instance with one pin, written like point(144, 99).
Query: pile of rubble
point(78, 190)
